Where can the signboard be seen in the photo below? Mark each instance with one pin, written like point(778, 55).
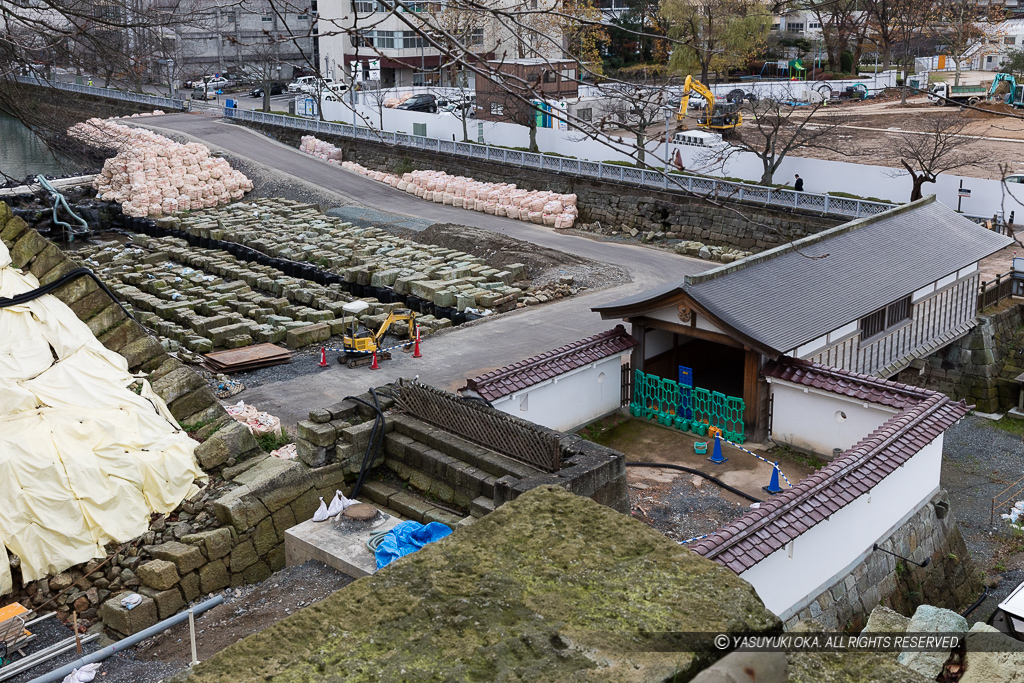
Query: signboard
point(963, 192)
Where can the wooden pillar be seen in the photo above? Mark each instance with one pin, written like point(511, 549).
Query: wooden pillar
point(751, 397)
point(636, 358)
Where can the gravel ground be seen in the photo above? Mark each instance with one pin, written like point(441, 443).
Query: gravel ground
point(979, 461)
point(372, 218)
point(683, 507)
point(246, 610)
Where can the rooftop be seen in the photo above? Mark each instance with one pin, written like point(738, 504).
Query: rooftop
point(744, 542)
point(787, 296)
point(524, 374)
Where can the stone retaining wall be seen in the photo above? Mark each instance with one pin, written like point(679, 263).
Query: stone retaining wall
point(950, 580)
point(742, 226)
point(979, 368)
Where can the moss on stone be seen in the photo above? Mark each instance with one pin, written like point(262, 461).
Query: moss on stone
point(549, 587)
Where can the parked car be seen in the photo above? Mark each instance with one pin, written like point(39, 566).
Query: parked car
point(275, 89)
point(321, 85)
point(299, 83)
point(334, 93)
point(204, 93)
point(420, 103)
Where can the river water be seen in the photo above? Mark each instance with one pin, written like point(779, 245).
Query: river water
point(22, 153)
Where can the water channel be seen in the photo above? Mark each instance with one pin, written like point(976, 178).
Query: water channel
point(22, 153)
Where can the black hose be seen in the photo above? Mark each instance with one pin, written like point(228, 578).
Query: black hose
point(376, 439)
point(713, 480)
point(976, 603)
point(46, 289)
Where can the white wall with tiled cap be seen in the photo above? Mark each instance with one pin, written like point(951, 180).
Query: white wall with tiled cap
point(571, 399)
point(816, 421)
point(832, 548)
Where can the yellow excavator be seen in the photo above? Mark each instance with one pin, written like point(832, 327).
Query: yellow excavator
point(360, 344)
point(723, 116)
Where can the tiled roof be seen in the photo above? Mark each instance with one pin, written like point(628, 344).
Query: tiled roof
point(526, 373)
point(787, 296)
point(744, 542)
point(852, 384)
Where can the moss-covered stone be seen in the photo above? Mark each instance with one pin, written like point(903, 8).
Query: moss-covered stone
point(551, 587)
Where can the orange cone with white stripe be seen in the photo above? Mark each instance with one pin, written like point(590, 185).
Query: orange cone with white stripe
point(323, 357)
point(374, 366)
point(416, 348)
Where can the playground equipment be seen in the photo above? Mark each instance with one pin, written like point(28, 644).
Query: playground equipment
point(723, 116)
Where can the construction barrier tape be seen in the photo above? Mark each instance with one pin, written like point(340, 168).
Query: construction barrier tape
point(774, 465)
point(389, 348)
point(696, 538)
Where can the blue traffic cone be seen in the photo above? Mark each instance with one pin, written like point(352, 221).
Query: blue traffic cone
point(773, 486)
point(716, 456)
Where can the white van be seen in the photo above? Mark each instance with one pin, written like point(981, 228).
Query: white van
point(299, 83)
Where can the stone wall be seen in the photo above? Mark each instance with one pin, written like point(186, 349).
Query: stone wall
point(949, 581)
point(733, 224)
point(979, 368)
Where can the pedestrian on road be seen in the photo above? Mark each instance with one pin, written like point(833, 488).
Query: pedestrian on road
point(90, 82)
point(799, 185)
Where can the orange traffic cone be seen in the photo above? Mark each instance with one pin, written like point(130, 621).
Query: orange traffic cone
point(323, 357)
point(416, 347)
point(374, 366)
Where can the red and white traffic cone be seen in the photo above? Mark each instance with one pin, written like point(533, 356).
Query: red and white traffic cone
point(374, 366)
point(416, 347)
point(323, 357)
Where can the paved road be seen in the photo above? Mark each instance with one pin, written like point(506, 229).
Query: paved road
point(448, 358)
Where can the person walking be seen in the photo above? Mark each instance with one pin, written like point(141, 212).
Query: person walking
point(799, 184)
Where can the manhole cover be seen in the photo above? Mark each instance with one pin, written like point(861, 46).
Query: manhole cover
point(361, 512)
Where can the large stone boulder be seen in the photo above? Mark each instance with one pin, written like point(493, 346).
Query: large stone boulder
point(992, 656)
point(884, 620)
point(928, 619)
point(548, 587)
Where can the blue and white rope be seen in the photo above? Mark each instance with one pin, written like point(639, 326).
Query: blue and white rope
point(388, 348)
point(773, 464)
point(695, 538)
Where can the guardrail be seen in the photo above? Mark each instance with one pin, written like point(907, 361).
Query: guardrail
point(124, 96)
point(719, 189)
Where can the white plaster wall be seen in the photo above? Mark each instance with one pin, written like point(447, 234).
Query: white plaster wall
point(807, 419)
point(570, 400)
point(784, 580)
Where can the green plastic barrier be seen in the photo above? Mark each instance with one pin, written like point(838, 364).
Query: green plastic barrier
point(686, 408)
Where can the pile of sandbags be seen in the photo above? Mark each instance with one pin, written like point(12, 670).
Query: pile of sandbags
point(393, 102)
point(320, 149)
point(500, 199)
point(259, 423)
point(152, 175)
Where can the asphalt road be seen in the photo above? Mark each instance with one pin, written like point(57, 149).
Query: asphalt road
point(469, 351)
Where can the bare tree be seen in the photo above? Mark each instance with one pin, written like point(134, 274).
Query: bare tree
point(940, 148)
point(639, 105)
point(955, 23)
point(776, 127)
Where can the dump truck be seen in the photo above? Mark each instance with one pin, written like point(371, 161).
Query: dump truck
point(944, 93)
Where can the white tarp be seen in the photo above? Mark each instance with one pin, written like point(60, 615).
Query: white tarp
point(84, 460)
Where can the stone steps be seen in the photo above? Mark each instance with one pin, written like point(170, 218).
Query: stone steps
point(407, 504)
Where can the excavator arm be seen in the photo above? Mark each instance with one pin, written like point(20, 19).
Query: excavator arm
point(390, 320)
point(691, 85)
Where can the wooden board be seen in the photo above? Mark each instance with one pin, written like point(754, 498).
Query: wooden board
point(247, 358)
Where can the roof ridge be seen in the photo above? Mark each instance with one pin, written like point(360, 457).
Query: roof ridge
point(581, 345)
point(840, 373)
point(794, 245)
point(858, 455)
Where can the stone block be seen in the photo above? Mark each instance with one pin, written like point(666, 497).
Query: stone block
point(26, 247)
point(312, 455)
point(189, 586)
point(284, 519)
point(234, 440)
point(305, 505)
point(407, 506)
point(176, 384)
point(243, 555)
point(13, 229)
point(213, 544)
point(158, 574)
point(213, 576)
point(265, 537)
point(317, 434)
point(125, 621)
point(185, 558)
point(240, 509)
point(308, 334)
point(168, 602)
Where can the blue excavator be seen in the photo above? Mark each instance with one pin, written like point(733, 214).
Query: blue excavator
point(1015, 96)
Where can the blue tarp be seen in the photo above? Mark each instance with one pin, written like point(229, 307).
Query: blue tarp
point(406, 538)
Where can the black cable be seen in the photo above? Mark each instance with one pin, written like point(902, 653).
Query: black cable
point(977, 602)
point(713, 480)
point(376, 438)
point(64, 279)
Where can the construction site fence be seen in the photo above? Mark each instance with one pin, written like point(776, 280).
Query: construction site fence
point(686, 408)
point(671, 182)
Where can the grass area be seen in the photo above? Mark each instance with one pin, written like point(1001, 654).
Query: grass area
point(271, 442)
point(795, 456)
point(1009, 424)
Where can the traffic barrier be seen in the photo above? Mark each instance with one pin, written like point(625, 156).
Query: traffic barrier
point(687, 408)
point(716, 456)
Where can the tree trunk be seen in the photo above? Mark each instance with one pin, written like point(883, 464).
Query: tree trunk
point(886, 57)
point(769, 172)
point(465, 132)
point(916, 193)
point(533, 134)
point(956, 75)
point(903, 92)
point(640, 149)
point(704, 74)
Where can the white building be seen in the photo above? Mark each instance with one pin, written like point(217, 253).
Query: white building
point(564, 388)
point(366, 41)
point(990, 53)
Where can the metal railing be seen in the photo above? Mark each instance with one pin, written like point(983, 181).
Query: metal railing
point(719, 189)
point(110, 93)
